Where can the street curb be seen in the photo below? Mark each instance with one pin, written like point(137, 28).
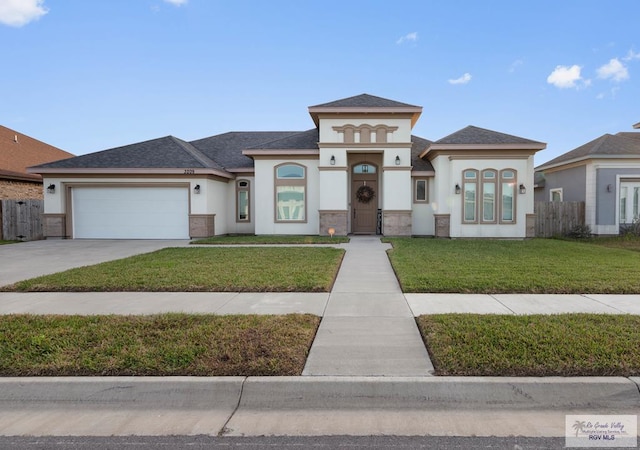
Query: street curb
point(322, 393)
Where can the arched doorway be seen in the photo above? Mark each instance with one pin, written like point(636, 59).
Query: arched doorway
point(364, 198)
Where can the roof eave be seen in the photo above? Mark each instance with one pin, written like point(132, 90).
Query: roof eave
point(637, 125)
point(567, 162)
point(281, 152)
point(415, 111)
point(129, 171)
point(533, 146)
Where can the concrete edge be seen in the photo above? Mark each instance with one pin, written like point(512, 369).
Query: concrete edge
point(167, 393)
point(450, 393)
point(322, 393)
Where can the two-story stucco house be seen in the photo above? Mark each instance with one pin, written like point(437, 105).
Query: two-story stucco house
point(358, 170)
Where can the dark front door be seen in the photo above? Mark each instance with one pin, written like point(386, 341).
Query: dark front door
point(364, 203)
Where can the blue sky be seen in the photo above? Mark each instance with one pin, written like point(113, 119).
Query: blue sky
point(90, 75)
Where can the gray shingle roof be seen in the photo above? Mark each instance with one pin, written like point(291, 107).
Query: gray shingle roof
point(605, 145)
point(629, 134)
point(226, 149)
point(166, 152)
point(304, 140)
point(474, 135)
point(364, 101)
point(419, 145)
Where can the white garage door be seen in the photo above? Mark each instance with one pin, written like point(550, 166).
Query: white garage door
point(130, 213)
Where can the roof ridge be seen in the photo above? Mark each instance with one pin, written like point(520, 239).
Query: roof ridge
point(197, 154)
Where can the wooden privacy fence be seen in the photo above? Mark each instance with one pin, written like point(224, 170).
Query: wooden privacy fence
point(21, 220)
point(557, 218)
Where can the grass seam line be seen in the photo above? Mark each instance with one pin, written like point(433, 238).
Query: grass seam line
point(224, 430)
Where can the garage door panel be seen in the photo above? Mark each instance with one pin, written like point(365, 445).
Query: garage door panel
point(131, 213)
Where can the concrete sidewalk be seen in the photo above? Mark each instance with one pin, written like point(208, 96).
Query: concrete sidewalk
point(367, 328)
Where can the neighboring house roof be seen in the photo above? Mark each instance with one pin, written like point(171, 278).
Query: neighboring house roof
point(471, 135)
point(637, 125)
point(606, 146)
point(19, 151)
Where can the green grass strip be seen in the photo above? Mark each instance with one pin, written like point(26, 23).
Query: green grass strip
point(557, 345)
point(503, 266)
point(247, 269)
point(160, 345)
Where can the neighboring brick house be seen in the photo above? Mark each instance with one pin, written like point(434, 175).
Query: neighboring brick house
point(17, 152)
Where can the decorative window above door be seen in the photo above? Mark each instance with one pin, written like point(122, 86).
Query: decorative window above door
point(366, 134)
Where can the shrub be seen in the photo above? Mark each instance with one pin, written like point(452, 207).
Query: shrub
point(580, 232)
point(632, 229)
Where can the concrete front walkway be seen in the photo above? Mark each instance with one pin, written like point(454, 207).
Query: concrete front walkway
point(368, 328)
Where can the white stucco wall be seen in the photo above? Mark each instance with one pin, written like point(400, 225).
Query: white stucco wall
point(396, 189)
point(450, 203)
point(265, 198)
point(335, 190)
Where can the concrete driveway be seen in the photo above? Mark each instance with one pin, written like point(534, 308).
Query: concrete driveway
point(31, 259)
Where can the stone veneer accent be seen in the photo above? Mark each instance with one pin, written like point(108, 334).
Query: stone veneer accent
point(335, 219)
point(55, 226)
point(396, 223)
point(531, 226)
point(443, 225)
point(201, 225)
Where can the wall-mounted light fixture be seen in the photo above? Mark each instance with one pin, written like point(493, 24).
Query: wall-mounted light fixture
point(523, 190)
point(196, 189)
point(51, 189)
point(397, 160)
point(609, 188)
point(457, 188)
point(332, 161)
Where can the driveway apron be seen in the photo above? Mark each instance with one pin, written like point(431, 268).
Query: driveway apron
point(368, 328)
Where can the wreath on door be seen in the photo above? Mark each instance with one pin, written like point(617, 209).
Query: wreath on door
point(365, 194)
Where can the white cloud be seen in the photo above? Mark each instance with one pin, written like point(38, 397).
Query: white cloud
point(177, 2)
point(17, 13)
point(631, 56)
point(464, 79)
point(411, 37)
point(564, 77)
point(514, 65)
point(613, 70)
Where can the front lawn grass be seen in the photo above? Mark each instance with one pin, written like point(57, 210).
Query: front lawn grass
point(8, 242)
point(558, 345)
point(160, 345)
point(548, 266)
point(202, 269)
point(271, 240)
point(627, 242)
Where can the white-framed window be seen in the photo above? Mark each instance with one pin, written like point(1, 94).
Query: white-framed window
point(290, 193)
point(420, 192)
point(243, 199)
point(555, 195)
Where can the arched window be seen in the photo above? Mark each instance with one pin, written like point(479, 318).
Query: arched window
point(290, 193)
point(489, 196)
point(508, 196)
